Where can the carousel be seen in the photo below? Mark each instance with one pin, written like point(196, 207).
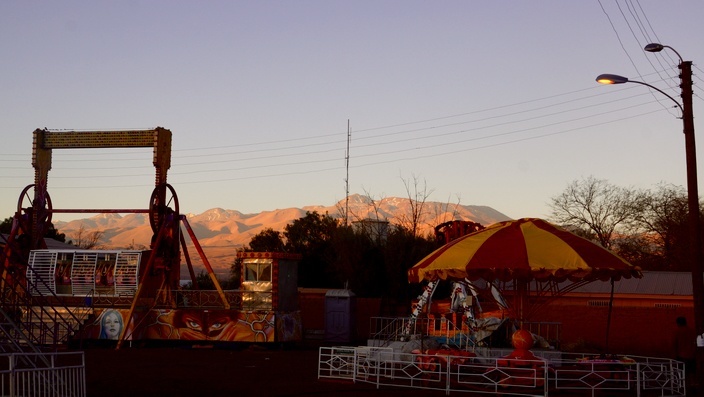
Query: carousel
point(481, 340)
point(515, 268)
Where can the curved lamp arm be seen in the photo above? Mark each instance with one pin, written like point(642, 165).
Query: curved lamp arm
point(616, 79)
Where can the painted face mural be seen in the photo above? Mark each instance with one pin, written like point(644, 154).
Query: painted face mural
point(199, 325)
point(218, 325)
point(196, 325)
point(110, 324)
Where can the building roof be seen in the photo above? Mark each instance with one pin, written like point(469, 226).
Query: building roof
point(652, 283)
point(50, 243)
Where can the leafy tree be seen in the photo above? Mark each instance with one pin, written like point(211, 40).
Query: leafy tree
point(360, 262)
point(6, 225)
point(51, 232)
point(335, 256)
point(312, 237)
point(203, 281)
point(268, 240)
point(403, 250)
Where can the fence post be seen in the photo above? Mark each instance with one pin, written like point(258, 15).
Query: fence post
point(12, 374)
point(354, 367)
point(448, 371)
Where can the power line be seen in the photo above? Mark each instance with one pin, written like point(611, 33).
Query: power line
point(393, 143)
point(574, 103)
point(385, 154)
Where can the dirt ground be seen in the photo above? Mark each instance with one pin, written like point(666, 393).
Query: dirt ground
point(246, 371)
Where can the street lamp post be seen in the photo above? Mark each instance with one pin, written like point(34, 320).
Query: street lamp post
point(695, 252)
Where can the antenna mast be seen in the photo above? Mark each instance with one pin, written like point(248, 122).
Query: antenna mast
point(347, 167)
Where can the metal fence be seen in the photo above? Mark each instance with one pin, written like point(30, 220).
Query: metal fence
point(455, 334)
point(211, 299)
point(60, 374)
point(568, 376)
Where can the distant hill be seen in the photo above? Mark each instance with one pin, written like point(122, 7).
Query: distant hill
point(221, 232)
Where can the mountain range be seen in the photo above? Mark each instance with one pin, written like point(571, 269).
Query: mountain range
point(221, 232)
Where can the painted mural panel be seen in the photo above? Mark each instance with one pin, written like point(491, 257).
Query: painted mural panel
point(196, 325)
point(108, 324)
point(210, 325)
point(289, 327)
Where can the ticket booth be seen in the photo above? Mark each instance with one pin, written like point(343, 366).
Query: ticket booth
point(269, 281)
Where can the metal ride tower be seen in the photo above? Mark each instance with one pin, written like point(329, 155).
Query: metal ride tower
point(160, 275)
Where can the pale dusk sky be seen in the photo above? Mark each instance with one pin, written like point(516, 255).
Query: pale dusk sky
point(487, 103)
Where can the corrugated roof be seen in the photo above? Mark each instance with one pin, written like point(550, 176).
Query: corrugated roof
point(340, 293)
point(652, 283)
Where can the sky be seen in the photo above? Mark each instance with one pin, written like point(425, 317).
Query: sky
point(474, 102)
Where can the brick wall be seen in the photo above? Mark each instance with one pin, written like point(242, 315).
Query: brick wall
point(639, 327)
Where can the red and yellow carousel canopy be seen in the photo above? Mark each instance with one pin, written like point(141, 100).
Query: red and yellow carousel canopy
point(524, 249)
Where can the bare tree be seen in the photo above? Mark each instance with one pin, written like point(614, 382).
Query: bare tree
point(598, 207)
point(662, 226)
point(138, 247)
point(85, 239)
point(417, 197)
point(439, 212)
point(374, 207)
point(371, 221)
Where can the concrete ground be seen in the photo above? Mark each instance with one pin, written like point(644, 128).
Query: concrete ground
point(247, 371)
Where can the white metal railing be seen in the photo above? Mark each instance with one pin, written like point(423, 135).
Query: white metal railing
point(572, 374)
point(337, 362)
point(458, 335)
point(60, 374)
point(76, 272)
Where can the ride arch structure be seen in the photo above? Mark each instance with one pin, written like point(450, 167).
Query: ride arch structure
point(45, 141)
point(34, 295)
point(132, 295)
point(35, 209)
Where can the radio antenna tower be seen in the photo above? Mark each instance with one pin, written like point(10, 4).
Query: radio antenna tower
point(347, 167)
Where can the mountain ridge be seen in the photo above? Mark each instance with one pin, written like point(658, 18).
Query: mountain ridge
point(221, 231)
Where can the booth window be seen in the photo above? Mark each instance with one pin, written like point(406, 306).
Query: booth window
point(257, 271)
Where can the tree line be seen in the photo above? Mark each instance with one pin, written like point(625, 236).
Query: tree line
point(370, 262)
point(647, 227)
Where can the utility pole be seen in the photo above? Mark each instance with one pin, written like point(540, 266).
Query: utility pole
point(694, 225)
point(694, 221)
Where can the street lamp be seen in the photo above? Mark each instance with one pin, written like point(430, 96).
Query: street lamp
point(695, 252)
point(616, 79)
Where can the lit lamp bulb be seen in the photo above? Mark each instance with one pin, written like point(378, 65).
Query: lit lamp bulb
point(611, 79)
